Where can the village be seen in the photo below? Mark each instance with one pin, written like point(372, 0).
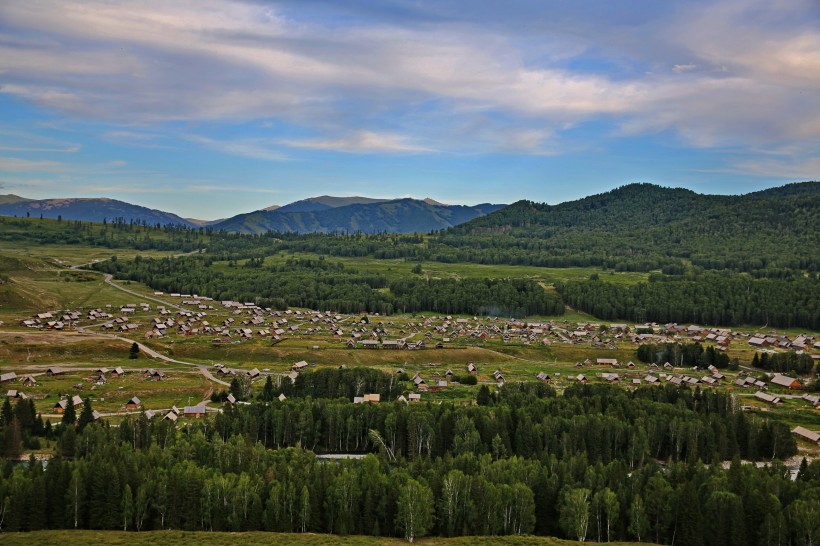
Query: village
point(440, 357)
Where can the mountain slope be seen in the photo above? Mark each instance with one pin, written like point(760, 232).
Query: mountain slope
point(374, 216)
point(325, 202)
point(91, 210)
point(641, 226)
point(11, 198)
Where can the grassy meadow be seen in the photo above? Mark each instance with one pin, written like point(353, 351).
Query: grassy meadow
point(394, 269)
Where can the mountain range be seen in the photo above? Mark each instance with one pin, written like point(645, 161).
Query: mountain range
point(324, 214)
point(87, 209)
point(366, 216)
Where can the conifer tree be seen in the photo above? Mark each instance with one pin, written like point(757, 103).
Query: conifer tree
point(14, 440)
point(86, 416)
point(70, 413)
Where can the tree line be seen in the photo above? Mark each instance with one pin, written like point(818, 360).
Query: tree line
point(684, 354)
point(710, 298)
point(583, 466)
point(784, 362)
point(326, 285)
point(117, 233)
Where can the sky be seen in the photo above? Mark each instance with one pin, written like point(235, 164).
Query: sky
point(210, 108)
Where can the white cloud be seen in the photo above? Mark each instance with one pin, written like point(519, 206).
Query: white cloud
point(220, 188)
point(16, 164)
point(751, 75)
point(780, 168)
point(67, 150)
point(223, 60)
point(261, 149)
point(362, 142)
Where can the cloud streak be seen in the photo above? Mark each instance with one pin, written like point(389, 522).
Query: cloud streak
point(16, 164)
point(362, 142)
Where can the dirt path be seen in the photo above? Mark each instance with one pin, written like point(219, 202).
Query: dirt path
point(203, 369)
point(109, 279)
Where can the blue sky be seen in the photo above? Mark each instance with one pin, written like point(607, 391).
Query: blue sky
point(209, 108)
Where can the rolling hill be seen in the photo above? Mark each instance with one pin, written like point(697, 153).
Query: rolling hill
point(642, 226)
point(368, 216)
point(88, 210)
point(11, 198)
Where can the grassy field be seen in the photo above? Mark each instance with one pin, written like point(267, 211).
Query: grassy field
point(69, 255)
point(182, 538)
point(178, 388)
point(37, 284)
point(393, 269)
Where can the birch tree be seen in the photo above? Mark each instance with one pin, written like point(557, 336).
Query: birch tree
point(415, 509)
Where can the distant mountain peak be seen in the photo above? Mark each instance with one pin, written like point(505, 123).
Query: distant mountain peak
point(11, 198)
point(328, 214)
point(325, 202)
point(272, 208)
point(431, 201)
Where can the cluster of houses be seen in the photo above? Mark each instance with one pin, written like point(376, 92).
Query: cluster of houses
point(61, 320)
point(27, 381)
point(103, 374)
point(546, 333)
point(52, 321)
point(62, 405)
point(437, 383)
point(711, 378)
point(249, 321)
point(224, 371)
point(776, 380)
point(191, 412)
point(723, 337)
point(776, 400)
point(799, 343)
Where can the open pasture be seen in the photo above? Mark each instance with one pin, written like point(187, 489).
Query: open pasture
point(400, 268)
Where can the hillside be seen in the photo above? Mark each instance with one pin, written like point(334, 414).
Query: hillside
point(642, 227)
point(11, 198)
point(88, 210)
point(396, 216)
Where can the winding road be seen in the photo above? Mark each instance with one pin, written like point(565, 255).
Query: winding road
point(109, 279)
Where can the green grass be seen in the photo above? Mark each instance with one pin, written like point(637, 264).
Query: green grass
point(183, 538)
point(38, 284)
point(69, 255)
point(394, 269)
point(32, 353)
point(180, 388)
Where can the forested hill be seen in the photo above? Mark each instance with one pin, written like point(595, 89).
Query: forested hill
point(642, 226)
point(88, 210)
point(396, 216)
